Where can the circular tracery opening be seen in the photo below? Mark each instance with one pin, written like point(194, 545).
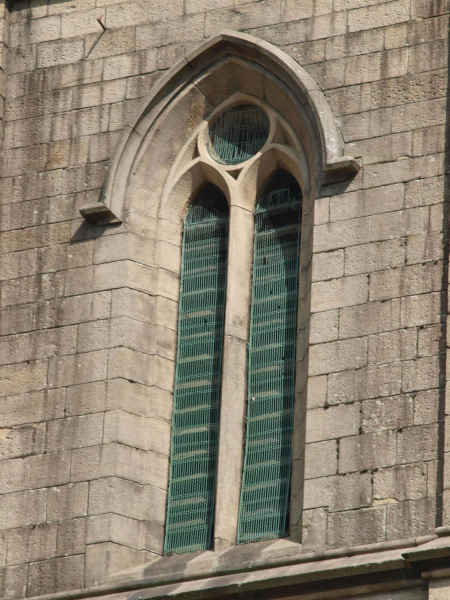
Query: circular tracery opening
point(238, 134)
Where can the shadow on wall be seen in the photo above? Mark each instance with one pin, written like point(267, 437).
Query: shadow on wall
point(443, 512)
point(36, 5)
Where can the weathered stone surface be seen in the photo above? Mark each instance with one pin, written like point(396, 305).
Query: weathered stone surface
point(75, 369)
point(404, 518)
point(363, 203)
point(88, 315)
point(333, 422)
point(367, 451)
point(341, 492)
point(32, 543)
point(373, 317)
point(68, 501)
point(75, 432)
point(320, 459)
point(397, 484)
point(58, 574)
point(417, 443)
point(422, 310)
point(339, 293)
point(22, 441)
point(351, 527)
point(361, 384)
point(34, 471)
point(388, 413)
point(393, 346)
point(23, 508)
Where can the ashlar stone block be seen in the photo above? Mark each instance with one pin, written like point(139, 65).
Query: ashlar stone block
point(44, 470)
point(393, 346)
point(340, 492)
point(337, 356)
point(116, 495)
point(59, 52)
point(367, 451)
point(422, 374)
point(328, 265)
point(320, 459)
point(412, 518)
point(324, 327)
point(79, 368)
point(398, 484)
point(426, 407)
point(416, 444)
point(23, 508)
point(406, 281)
point(67, 501)
point(362, 203)
point(331, 423)
point(361, 384)
point(71, 537)
point(350, 528)
point(24, 377)
point(22, 441)
point(75, 432)
point(370, 318)
point(379, 15)
point(338, 293)
point(388, 413)
point(421, 310)
point(147, 369)
point(55, 575)
point(29, 544)
point(425, 247)
point(123, 394)
point(137, 431)
point(243, 17)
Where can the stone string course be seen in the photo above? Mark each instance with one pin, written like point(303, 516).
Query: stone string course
point(84, 345)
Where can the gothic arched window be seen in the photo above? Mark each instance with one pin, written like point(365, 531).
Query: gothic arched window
point(233, 138)
point(224, 142)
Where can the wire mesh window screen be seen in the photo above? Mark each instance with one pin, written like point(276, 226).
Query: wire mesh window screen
point(194, 437)
point(265, 490)
point(238, 134)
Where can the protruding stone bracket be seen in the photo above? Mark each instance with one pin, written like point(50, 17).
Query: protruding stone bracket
point(99, 214)
point(340, 170)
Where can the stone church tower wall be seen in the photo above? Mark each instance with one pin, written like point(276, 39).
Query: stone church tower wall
point(97, 115)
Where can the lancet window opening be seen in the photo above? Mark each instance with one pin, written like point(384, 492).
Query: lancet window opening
point(194, 436)
point(264, 505)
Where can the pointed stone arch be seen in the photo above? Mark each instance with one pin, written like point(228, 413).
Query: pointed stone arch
point(224, 64)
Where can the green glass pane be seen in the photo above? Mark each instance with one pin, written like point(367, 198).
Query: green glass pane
point(193, 457)
point(264, 501)
point(238, 134)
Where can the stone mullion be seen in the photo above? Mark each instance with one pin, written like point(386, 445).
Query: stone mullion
point(234, 377)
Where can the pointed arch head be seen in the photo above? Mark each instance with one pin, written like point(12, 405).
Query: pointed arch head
point(208, 204)
point(229, 63)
